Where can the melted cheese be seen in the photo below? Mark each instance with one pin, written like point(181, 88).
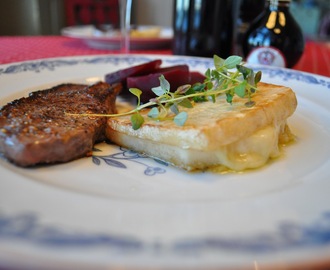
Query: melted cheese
point(251, 152)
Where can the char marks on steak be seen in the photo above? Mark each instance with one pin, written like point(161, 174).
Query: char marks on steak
point(37, 130)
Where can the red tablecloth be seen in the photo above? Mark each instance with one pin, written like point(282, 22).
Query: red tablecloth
point(316, 58)
point(21, 48)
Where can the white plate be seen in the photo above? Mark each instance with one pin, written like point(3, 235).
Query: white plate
point(118, 209)
point(90, 36)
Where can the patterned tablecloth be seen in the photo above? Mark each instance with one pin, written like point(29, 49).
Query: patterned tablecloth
point(316, 58)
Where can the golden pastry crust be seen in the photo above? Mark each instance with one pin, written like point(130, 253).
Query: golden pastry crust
point(215, 134)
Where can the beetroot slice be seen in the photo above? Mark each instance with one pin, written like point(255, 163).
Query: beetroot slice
point(142, 69)
point(176, 78)
point(196, 77)
point(170, 68)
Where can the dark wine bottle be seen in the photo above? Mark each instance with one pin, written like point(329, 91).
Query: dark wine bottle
point(274, 38)
point(247, 11)
point(203, 27)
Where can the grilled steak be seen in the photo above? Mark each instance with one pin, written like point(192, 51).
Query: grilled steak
point(37, 130)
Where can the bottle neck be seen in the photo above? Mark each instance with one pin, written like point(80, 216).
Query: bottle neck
point(276, 4)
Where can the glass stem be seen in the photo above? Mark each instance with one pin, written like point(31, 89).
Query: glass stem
point(125, 24)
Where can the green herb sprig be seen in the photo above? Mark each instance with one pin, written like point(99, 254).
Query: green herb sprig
point(229, 77)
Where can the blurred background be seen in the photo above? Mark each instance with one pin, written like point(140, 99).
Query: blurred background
point(48, 17)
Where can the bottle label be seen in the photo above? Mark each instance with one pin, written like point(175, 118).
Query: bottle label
point(269, 56)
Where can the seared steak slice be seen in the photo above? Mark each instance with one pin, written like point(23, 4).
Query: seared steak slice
point(37, 130)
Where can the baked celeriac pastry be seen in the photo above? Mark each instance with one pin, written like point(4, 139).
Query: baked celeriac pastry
point(215, 133)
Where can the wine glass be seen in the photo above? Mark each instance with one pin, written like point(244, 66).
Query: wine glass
point(125, 7)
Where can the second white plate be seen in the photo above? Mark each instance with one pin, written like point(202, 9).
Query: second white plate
point(93, 38)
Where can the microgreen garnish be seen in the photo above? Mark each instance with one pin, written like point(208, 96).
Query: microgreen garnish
point(230, 77)
point(136, 118)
